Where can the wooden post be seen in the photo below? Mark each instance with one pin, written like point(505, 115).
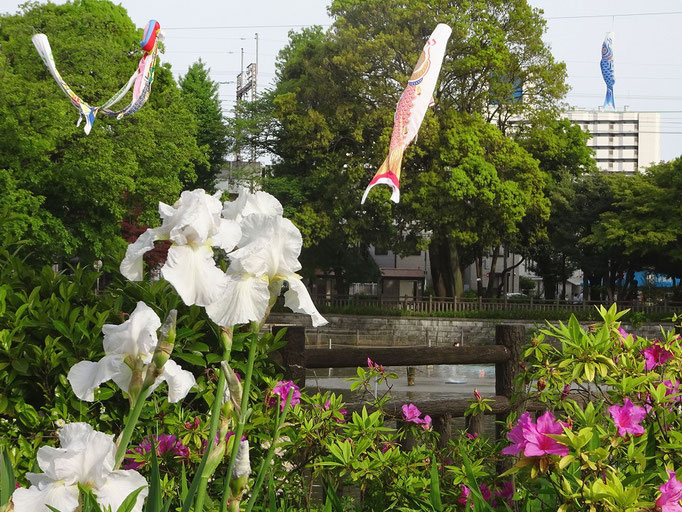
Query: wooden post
point(512, 337)
point(480, 303)
point(443, 425)
point(410, 376)
point(292, 355)
point(430, 303)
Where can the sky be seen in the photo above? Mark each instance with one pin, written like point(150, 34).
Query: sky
point(648, 71)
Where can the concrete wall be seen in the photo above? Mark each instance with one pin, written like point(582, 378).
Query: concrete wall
point(361, 330)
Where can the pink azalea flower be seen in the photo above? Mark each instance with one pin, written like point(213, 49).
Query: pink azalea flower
point(464, 495)
point(506, 492)
point(411, 413)
point(280, 393)
point(627, 418)
point(656, 355)
point(673, 388)
point(671, 494)
point(485, 492)
point(538, 443)
point(517, 437)
point(472, 436)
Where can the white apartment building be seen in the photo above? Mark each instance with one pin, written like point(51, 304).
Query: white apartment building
point(623, 140)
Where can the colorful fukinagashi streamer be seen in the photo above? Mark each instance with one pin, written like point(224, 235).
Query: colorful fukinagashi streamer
point(411, 108)
point(608, 70)
point(140, 81)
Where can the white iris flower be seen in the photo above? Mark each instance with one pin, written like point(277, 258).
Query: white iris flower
point(267, 257)
point(193, 225)
point(85, 457)
point(129, 347)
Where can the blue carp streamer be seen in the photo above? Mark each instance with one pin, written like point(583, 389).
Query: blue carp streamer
point(608, 69)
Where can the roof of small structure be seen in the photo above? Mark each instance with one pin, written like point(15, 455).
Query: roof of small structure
point(402, 273)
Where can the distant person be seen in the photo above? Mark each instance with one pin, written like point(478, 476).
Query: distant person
point(580, 298)
point(575, 298)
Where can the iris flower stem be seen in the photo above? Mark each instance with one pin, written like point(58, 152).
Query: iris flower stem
point(198, 484)
point(242, 421)
point(131, 422)
point(265, 464)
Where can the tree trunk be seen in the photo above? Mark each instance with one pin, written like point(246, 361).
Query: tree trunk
point(493, 268)
point(456, 270)
point(479, 275)
point(340, 281)
point(441, 271)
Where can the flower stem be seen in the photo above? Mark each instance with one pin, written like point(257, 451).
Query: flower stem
point(131, 422)
point(197, 481)
point(265, 464)
point(242, 421)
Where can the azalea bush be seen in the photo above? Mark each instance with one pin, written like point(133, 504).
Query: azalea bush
point(611, 437)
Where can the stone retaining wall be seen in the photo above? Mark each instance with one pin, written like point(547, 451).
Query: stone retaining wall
point(359, 330)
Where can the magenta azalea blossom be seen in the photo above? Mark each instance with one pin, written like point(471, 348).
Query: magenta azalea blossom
point(411, 414)
point(506, 492)
point(485, 492)
point(538, 443)
point(280, 393)
point(656, 355)
point(166, 446)
point(671, 494)
point(464, 495)
point(517, 437)
point(627, 418)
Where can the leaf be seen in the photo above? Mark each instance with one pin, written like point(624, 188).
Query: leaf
point(154, 498)
point(191, 358)
point(7, 481)
point(131, 500)
point(435, 487)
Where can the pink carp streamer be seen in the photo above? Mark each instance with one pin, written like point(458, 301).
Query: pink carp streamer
point(140, 81)
point(411, 108)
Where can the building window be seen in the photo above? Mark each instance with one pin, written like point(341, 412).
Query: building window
point(612, 126)
point(380, 251)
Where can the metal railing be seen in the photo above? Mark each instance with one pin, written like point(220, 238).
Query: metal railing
point(433, 304)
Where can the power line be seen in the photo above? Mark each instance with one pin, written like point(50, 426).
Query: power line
point(239, 27)
point(624, 15)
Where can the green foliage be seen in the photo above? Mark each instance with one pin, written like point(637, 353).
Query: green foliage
point(333, 106)
point(201, 95)
point(68, 192)
point(605, 469)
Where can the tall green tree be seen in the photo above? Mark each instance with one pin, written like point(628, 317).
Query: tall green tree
point(335, 98)
point(201, 95)
point(74, 190)
point(643, 229)
point(563, 155)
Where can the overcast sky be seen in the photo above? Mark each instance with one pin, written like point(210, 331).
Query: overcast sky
point(646, 50)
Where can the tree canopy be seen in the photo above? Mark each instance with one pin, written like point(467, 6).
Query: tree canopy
point(201, 95)
point(69, 192)
point(334, 103)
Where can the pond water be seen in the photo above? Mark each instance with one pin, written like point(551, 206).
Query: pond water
point(437, 381)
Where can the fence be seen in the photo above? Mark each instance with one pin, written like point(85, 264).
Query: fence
point(432, 304)
point(505, 354)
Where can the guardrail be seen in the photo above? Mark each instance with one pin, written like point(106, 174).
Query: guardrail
point(505, 354)
point(432, 304)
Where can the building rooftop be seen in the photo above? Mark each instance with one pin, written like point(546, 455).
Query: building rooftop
point(402, 273)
